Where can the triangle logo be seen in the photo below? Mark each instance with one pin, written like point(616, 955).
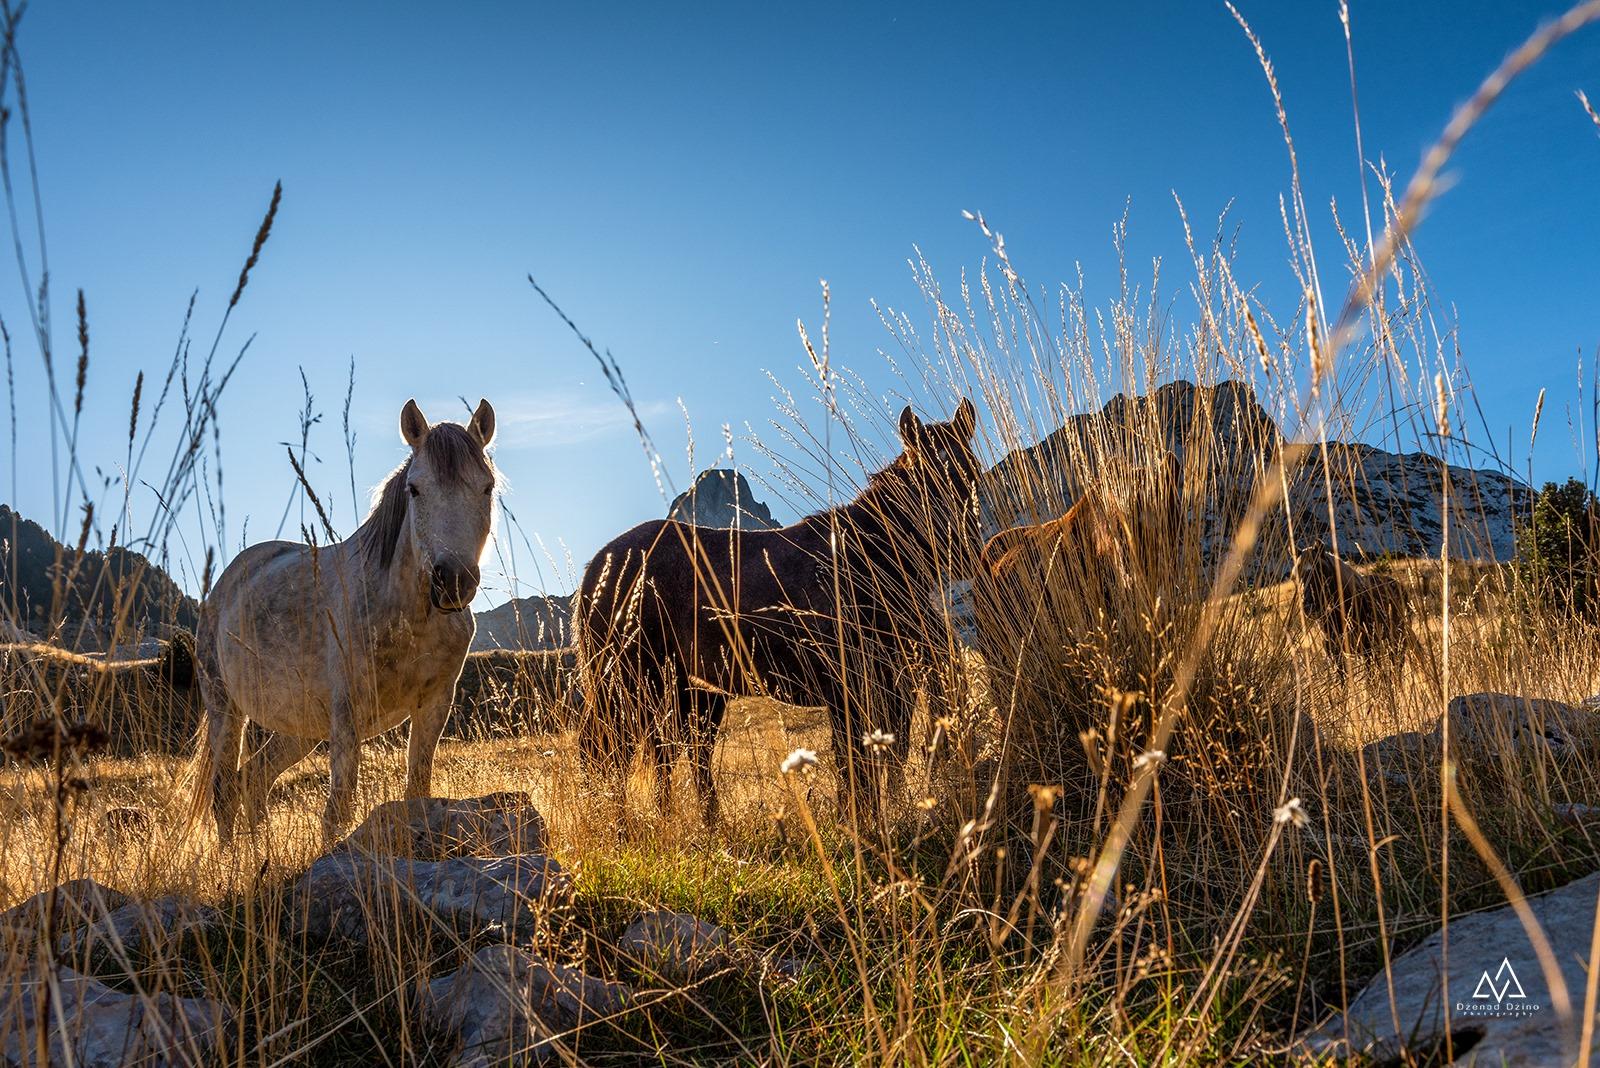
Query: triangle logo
point(1505, 984)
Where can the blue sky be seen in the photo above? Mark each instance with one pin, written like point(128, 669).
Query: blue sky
point(681, 176)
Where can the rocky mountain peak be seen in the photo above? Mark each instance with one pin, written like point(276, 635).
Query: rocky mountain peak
point(1381, 502)
point(721, 498)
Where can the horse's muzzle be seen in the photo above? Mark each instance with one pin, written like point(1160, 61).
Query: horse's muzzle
point(452, 587)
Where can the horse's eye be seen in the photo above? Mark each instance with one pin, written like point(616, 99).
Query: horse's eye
point(488, 491)
point(413, 490)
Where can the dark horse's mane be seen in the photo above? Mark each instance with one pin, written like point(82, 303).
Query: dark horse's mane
point(455, 455)
point(881, 506)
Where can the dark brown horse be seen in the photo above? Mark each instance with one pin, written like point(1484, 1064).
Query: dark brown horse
point(836, 610)
point(1359, 613)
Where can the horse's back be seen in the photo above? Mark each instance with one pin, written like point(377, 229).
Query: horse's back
point(262, 643)
point(673, 594)
point(265, 563)
point(676, 559)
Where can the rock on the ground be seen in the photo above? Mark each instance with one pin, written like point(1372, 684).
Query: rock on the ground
point(1489, 721)
point(1576, 814)
point(343, 891)
point(78, 901)
point(507, 1005)
point(675, 946)
point(137, 926)
point(108, 1028)
point(1498, 994)
point(441, 828)
point(1397, 752)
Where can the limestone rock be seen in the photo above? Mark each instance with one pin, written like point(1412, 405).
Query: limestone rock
point(1498, 994)
point(1383, 502)
point(78, 901)
point(441, 828)
point(1393, 758)
point(137, 926)
point(1577, 814)
point(108, 1028)
point(1397, 751)
point(507, 1005)
point(1491, 721)
point(675, 946)
point(344, 891)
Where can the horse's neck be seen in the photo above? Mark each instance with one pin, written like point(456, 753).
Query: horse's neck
point(860, 522)
point(393, 590)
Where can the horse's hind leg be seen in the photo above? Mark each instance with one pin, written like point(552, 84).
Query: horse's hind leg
point(224, 737)
point(705, 724)
point(278, 755)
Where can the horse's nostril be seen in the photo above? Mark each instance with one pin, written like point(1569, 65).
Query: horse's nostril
point(455, 582)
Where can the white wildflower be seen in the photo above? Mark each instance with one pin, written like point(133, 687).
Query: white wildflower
point(800, 760)
point(1150, 759)
point(878, 741)
point(1291, 812)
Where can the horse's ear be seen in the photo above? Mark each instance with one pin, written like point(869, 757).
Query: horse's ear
point(910, 427)
point(482, 425)
point(966, 420)
point(413, 424)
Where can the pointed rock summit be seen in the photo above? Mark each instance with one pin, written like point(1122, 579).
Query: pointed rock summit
point(721, 498)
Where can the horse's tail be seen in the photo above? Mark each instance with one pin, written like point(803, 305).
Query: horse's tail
point(603, 745)
point(200, 773)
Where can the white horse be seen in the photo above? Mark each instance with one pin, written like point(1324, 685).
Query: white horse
point(344, 641)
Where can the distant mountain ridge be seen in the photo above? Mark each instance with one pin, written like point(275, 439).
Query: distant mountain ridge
point(113, 595)
point(536, 622)
point(1382, 502)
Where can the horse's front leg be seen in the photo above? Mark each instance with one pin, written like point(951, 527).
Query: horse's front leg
point(344, 757)
point(426, 727)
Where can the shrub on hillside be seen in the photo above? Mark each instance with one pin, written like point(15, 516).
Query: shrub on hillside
point(1557, 564)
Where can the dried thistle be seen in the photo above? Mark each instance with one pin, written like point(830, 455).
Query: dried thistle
point(1150, 759)
point(1314, 881)
point(1291, 812)
point(801, 759)
point(83, 355)
point(1044, 797)
point(262, 234)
